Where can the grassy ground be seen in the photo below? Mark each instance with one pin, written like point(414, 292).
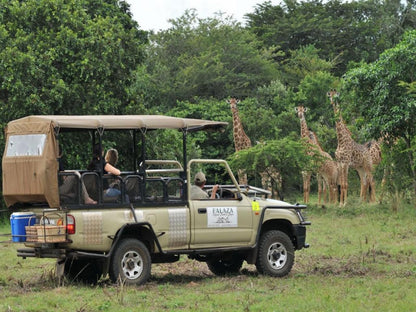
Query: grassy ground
point(362, 258)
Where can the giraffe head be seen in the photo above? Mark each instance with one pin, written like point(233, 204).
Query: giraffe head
point(301, 110)
point(233, 103)
point(333, 97)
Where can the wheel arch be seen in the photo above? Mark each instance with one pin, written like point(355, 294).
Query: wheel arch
point(141, 231)
point(282, 225)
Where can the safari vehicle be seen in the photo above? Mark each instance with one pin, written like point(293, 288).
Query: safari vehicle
point(153, 220)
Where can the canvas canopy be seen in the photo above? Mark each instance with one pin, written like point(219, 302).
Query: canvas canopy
point(30, 157)
point(148, 122)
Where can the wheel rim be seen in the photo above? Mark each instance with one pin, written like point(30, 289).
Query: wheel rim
point(132, 265)
point(277, 256)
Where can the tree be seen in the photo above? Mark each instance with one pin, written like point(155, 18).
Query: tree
point(378, 93)
point(288, 157)
point(212, 57)
point(71, 57)
point(303, 62)
point(342, 31)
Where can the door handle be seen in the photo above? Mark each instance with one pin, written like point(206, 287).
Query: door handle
point(202, 210)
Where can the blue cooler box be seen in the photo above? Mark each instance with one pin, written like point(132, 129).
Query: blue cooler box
point(18, 221)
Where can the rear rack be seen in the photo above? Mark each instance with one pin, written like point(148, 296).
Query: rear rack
point(49, 226)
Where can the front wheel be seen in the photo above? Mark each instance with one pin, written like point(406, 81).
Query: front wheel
point(130, 263)
point(276, 254)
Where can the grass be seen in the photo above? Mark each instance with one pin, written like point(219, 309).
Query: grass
point(362, 258)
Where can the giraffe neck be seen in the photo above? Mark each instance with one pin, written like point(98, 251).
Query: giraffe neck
point(241, 140)
point(304, 132)
point(343, 133)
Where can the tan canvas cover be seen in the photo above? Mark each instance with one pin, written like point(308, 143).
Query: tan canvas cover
point(31, 178)
point(148, 122)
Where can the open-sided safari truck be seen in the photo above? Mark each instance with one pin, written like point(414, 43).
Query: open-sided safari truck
point(152, 217)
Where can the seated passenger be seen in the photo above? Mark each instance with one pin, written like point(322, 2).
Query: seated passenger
point(111, 158)
point(197, 191)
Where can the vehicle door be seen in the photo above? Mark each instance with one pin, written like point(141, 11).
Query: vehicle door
point(221, 222)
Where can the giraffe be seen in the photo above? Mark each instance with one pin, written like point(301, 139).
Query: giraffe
point(304, 133)
point(241, 140)
point(327, 173)
point(351, 154)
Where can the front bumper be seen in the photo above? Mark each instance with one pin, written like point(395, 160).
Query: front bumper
point(300, 236)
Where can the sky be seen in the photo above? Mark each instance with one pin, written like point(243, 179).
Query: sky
point(154, 14)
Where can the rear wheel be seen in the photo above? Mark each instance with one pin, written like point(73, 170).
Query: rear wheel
point(276, 254)
point(225, 265)
point(130, 263)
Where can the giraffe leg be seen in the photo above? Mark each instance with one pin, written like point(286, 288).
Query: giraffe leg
point(325, 191)
point(319, 179)
point(344, 184)
point(333, 193)
point(372, 188)
point(306, 186)
point(363, 185)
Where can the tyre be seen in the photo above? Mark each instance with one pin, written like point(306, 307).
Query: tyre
point(83, 270)
point(276, 254)
point(131, 263)
point(226, 265)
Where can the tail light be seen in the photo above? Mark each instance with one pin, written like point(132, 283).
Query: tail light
point(70, 224)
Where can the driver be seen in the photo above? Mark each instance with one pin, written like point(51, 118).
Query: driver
point(197, 191)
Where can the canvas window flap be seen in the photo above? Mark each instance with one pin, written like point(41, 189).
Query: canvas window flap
point(30, 164)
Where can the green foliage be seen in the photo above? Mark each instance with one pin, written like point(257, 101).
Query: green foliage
point(212, 145)
point(213, 57)
point(273, 95)
point(303, 62)
point(341, 31)
point(72, 57)
point(398, 184)
point(288, 157)
point(377, 94)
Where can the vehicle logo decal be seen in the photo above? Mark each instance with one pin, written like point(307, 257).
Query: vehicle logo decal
point(222, 217)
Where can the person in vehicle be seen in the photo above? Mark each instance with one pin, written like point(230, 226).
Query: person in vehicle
point(197, 191)
point(110, 160)
point(108, 167)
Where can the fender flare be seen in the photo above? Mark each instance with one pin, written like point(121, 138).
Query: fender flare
point(127, 227)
